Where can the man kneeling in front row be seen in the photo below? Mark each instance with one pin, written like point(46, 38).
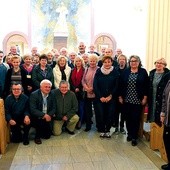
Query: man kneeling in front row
point(42, 107)
point(17, 114)
point(67, 107)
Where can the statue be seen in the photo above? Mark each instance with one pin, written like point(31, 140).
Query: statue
point(61, 25)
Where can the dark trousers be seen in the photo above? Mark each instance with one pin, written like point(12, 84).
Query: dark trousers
point(166, 138)
point(42, 127)
point(119, 112)
point(132, 115)
point(81, 110)
point(16, 131)
point(105, 112)
point(89, 104)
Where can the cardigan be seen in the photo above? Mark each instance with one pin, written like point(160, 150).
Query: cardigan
point(66, 105)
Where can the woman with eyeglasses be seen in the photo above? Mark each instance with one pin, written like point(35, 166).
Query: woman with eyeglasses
point(133, 94)
point(158, 79)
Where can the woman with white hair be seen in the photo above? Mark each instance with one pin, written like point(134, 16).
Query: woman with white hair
point(90, 99)
point(61, 71)
point(158, 79)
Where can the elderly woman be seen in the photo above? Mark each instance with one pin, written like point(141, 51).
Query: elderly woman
point(76, 86)
point(27, 68)
point(105, 88)
point(87, 83)
point(158, 79)
point(61, 71)
point(133, 94)
point(42, 71)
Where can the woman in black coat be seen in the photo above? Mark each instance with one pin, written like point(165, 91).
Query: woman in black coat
point(133, 94)
point(158, 79)
point(105, 87)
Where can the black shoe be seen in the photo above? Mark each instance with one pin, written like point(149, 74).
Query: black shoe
point(87, 129)
point(128, 138)
point(38, 141)
point(26, 142)
point(165, 166)
point(69, 132)
point(134, 142)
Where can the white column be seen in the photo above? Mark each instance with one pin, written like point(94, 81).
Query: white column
point(158, 32)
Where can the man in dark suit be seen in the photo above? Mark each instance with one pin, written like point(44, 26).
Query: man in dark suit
point(42, 107)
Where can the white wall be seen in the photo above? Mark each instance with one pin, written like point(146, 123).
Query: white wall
point(126, 21)
point(13, 17)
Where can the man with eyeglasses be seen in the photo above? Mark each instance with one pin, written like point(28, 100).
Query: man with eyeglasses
point(17, 114)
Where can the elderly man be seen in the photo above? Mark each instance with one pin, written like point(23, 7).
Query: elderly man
point(67, 107)
point(17, 114)
point(42, 107)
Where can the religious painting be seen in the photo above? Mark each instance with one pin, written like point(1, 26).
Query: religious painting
point(71, 18)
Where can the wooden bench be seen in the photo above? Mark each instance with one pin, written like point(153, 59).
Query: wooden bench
point(156, 140)
point(4, 129)
point(155, 136)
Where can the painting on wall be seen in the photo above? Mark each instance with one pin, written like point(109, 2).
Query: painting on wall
point(68, 17)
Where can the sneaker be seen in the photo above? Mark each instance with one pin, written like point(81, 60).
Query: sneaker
point(107, 135)
point(102, 135)
point(122, 130)
point(116, 132)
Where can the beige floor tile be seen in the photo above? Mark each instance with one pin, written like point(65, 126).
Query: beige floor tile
point(62, 167)
point(42, 159)
point(20, 167)
point(81, 157)
point(60, 149)
point(22, 160)
point(78, 149)
point(104, 165)
point(99, 156)
point(83, 166)
point(42, 167)
point(43, 150)
point(62, 158)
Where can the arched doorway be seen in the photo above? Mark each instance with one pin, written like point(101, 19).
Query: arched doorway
point(104, 40)
point(17, 39)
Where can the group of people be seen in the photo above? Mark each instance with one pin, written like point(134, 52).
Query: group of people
point(62, 94)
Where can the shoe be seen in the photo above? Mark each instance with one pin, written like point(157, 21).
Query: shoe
point(69, 132)
point(87, 129)
point(116, 132)
point(122, 131)
point(38, 141)
point(107, 135)
point(102, 135)
point(134, 142)
point(26, 142)
point(128, 138)
point(165, 166)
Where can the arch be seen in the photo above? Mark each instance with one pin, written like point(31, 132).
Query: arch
point(105, 39)
point(16, 38)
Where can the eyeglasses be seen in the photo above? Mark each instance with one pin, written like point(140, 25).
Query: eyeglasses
point(133, 61)
point(16, 89)
point(159, 63)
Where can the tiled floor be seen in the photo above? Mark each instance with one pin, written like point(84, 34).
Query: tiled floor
point(82, 151)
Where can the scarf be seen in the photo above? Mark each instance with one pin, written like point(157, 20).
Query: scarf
point(106, 71)
point(63, 74)
point(77, 76)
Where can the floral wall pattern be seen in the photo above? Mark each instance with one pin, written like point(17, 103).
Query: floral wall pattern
point(44, 18)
